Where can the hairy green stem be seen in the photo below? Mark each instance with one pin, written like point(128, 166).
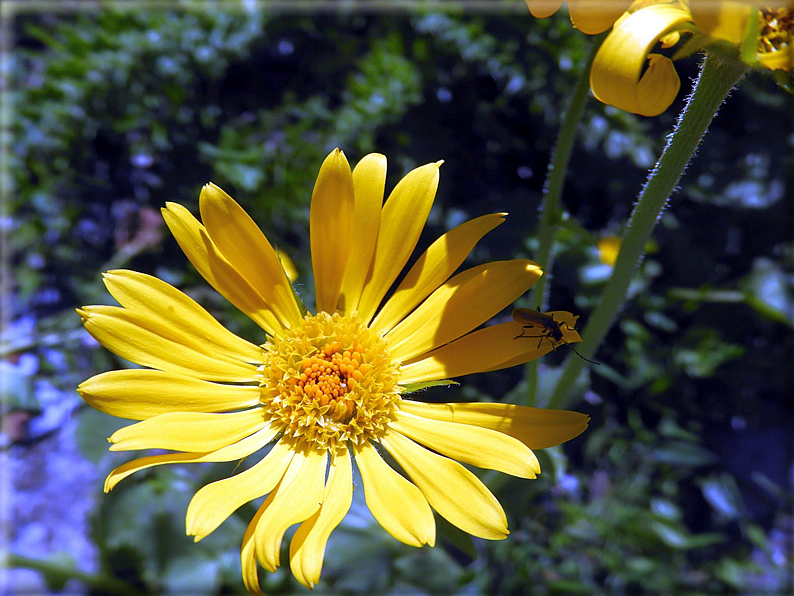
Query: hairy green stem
point(63, 573)
point(717, 78)
point(551, 212)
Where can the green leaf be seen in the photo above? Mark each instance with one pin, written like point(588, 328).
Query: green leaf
point(723, 495)
point(680, 453)
point(93, 429)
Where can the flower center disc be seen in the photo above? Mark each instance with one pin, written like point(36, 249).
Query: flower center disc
point(777, 28)
point(328, 381)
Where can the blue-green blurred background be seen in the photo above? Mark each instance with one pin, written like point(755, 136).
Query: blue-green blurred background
point(682, 484)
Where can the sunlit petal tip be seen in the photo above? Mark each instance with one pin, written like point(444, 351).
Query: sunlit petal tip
point(212, 191)
point(439, 163)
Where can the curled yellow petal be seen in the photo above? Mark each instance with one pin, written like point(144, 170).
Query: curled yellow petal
point(617, 76)
point(398, 505)
point(369, 181)
point(307, 548)
point(433, 268)
point(536, 428)
point(188, 431)
point(466, 443)
point(331, 220)
point(453, 491)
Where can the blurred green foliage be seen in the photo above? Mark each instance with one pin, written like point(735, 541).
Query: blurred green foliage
point(118, 111)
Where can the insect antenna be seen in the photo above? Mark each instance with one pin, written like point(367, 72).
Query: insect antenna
point(583, 358)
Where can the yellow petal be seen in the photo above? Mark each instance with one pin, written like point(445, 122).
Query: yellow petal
point(535, 427)
point(298, 497)
point(433, 268)
point(723, 20)
point(247, 250)
point(369, 180)
point(248, 555)
point(782, 59)
point(331, 227)
point(481, 447)
point(199, 248)
point(541, 9)
point(486, 349)
point(401, 223)
point(451, 489)
point(154, 299)
point(307, 548)
point(238, 450)
point(188, 431)
point(398, 505)
point(617, 76)
point(151, 343)
point(213, 503)
point(596, 16)
point(141, 394)
point(463, 303)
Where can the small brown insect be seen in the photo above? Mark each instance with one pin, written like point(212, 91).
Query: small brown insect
point(550, 330)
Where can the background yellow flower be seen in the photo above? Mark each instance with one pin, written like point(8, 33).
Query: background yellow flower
point(627, 73)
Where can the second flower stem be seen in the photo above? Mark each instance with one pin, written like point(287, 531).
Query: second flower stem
point(551, 210)
point(717, 78)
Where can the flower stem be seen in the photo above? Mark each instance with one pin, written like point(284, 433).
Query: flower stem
point(551, 212)
point(717, 78)
point(62, 573)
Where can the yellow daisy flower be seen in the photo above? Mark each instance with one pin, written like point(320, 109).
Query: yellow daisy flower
point(589, 16)
point(627, 74)
point(328, 387)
